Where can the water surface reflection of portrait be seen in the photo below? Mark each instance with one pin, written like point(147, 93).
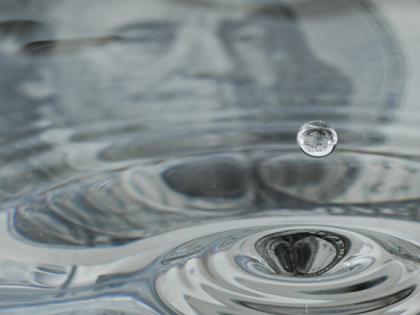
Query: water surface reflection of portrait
point(165, 58)
point(156, 62)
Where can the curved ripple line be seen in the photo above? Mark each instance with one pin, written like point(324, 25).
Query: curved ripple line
point(282, 270)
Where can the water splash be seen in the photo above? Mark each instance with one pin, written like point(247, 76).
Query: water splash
point(287, 266)
point(190, 196)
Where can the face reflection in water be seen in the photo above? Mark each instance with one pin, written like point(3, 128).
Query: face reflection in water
point(109, 217)
point(166, 58)
point(160, 61)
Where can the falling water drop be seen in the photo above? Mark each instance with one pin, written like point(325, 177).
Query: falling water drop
point(316, 138)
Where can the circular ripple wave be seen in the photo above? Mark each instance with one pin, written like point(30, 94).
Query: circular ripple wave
point(293, 265)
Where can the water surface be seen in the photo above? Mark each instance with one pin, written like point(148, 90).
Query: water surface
point(149, 162)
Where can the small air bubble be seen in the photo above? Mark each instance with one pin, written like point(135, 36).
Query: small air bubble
point(316, 138)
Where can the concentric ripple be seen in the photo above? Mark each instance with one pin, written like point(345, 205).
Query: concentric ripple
point(292, 267)
point(149, 166)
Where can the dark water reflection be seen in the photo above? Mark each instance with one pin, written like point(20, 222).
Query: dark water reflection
point(149, 162)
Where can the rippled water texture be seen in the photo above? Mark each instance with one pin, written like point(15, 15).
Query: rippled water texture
point(149, 162)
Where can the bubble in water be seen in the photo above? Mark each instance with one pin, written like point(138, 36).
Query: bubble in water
point(316, 138)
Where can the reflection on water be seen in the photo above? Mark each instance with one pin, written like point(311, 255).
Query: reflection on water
point(149, 162)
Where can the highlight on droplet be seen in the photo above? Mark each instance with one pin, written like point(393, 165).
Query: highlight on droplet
point(316, 138)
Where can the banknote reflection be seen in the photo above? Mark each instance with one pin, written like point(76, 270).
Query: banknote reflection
point(162, 58)
point(163, 61)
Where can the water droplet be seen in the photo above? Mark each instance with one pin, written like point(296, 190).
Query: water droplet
point(316, 138)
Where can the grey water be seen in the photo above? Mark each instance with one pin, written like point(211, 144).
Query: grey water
point(149, 164)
